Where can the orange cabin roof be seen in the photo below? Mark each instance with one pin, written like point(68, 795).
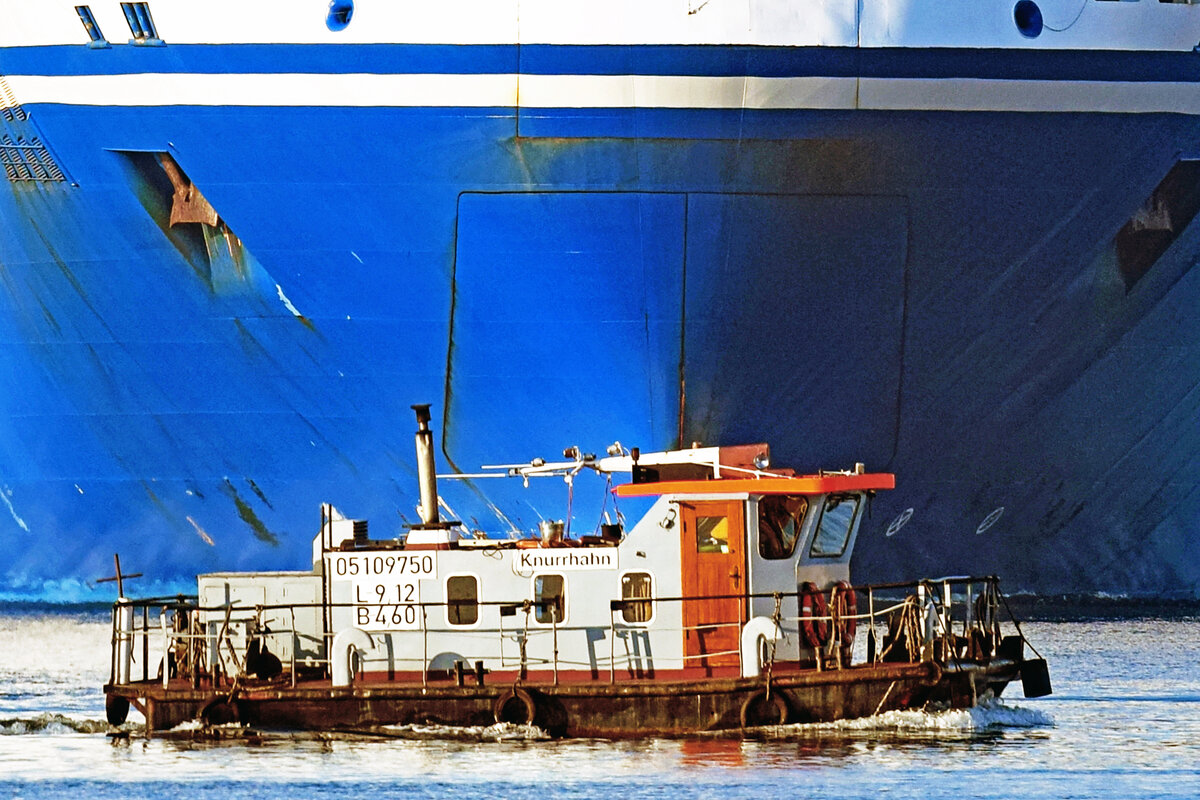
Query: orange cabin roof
point(804, 484)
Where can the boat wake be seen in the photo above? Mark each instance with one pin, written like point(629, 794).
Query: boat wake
point(986, 717)
point(51, 725)
point(991, 716)
point(500, 732)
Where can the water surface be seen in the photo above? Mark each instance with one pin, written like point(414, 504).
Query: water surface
point(1124, 722)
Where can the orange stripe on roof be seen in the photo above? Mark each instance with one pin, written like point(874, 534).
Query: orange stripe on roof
point(807, 484)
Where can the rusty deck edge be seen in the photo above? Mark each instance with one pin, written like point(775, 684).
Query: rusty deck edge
point(926, 671)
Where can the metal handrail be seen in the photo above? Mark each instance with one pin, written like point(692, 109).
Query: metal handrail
point(936, 598)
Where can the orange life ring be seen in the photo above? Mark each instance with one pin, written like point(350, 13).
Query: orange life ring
point(814, 613)
point(844, 604)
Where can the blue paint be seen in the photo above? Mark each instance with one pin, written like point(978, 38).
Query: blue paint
point(799, 302)
point(567, 306)
point(901, 289)
point(340, 14)
point(1028, 17)
point(542, 59)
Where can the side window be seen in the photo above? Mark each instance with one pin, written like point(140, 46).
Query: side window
point(712, 534)
point(635, 586)
point(462, 600)
point(549, 598)
point(833, 532)
point(780, 520)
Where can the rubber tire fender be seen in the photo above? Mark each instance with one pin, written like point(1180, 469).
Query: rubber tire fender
point(507, 698)
point(757, 707)
point(116, 709)
point(221, 710)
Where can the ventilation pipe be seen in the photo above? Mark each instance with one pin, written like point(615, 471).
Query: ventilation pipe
point(426, 474)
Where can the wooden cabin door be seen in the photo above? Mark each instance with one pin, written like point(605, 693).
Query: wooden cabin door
point(713, 560)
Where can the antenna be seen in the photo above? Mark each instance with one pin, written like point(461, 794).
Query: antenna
point(119, 578)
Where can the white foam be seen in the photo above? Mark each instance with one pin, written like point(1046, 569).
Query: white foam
point(988, 716)
point(50, 725)
point(187, 726)
point(966, 720)
point(500, 732)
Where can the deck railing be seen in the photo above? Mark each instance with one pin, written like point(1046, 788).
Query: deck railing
point(947, 619)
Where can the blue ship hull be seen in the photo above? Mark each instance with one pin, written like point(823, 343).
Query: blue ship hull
point(937, 294)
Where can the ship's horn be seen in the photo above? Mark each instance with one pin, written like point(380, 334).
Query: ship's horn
point(426, 473)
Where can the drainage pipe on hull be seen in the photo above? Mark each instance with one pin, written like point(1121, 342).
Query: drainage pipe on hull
point(426, 474)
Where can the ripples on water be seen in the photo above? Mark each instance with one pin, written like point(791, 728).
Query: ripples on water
point(1124, 722)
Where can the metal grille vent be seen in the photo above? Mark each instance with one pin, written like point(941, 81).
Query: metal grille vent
point(28, 161)
point(10, 109)
point(22, 154)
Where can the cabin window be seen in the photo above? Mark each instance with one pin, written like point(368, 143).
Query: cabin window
point(549, 598)
point(712, 534)
point(833, 532)
point(462, 600)
point(635, 586)
point(779, 522)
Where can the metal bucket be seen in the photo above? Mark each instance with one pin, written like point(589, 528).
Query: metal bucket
point(1035, 677)
point(552, 532)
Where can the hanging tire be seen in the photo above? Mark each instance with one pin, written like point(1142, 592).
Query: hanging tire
point(515, 706)
point(221, 710)
point(761, 709)
point(116, 709)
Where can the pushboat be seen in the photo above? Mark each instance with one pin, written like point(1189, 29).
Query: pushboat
point(727, 606)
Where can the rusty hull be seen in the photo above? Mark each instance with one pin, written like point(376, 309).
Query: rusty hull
point(629, 708)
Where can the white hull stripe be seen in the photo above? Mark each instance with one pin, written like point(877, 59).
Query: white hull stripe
point(607, 91)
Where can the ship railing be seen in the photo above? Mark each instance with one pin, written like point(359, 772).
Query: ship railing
point(944, 619)
point(173, 633)
point(133, 628)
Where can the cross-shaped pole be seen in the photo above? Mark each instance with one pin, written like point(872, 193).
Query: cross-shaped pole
point(119, 578)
